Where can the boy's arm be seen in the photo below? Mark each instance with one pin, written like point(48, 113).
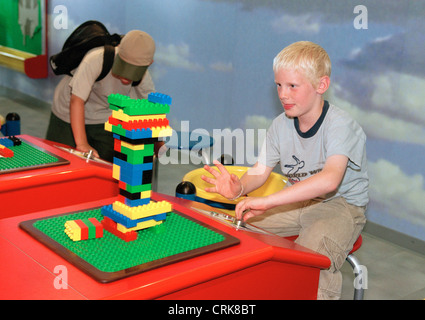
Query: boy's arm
point(319, 184)
point(77, 118)
point(255, 177)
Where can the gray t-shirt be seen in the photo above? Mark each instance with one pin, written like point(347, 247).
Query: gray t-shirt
point(83, 84)
point(301, 155)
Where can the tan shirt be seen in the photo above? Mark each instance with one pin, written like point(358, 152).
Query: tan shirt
point(83, 84)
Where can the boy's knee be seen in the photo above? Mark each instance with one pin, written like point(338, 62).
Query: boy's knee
point(333, 251)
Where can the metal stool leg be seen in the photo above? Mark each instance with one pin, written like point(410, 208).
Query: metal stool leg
point(355, 264)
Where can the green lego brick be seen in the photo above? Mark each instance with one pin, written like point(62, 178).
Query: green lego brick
point(177, 235)
point(137, 156)
point(140, 188)
point(136, 107)
point(91, 227)
point(120, 101)
point(119, 130)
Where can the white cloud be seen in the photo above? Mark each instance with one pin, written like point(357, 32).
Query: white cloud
point(222, 66)
point(402, 195)
point(177, 56)
point(402, 94)
point(401, 52)
point(305, 23)
point(377, 124)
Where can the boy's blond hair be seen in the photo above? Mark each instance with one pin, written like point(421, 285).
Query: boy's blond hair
point(306, 56)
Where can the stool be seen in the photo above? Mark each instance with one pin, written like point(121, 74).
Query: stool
point(353, 261)
point(355, 264)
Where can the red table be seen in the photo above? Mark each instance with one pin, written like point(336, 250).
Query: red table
point(51, 187)
point(260, 267)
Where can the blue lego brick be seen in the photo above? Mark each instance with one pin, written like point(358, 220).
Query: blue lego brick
point(133, 174)
point(136, 202)
point(161, 98)
point(107, 211)
point(6, 142)
point(135, 134)
point(138, 134)
point(136, 168)
point(137, 180)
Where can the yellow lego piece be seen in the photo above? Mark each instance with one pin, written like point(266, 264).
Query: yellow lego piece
point(116, 171)
point(120, 115)
point(140, 226)
point(139, 212)
point(161, 132)
point(73, 230)
point(145, 194)
point(108, 126)
point(136, 147)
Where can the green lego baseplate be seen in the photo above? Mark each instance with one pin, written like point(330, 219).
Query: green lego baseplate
point(28, 156)
point(109, 258)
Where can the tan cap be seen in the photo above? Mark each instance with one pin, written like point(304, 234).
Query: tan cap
point(135, 54)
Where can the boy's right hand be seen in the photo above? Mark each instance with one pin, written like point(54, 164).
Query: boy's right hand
point(226, 184)
point(87, 148)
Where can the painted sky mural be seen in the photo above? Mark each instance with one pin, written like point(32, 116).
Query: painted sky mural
point(214, 57)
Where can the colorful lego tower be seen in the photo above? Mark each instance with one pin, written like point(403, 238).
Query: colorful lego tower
point(136, 125)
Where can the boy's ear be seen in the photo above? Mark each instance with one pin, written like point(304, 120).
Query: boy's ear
point(324, 84)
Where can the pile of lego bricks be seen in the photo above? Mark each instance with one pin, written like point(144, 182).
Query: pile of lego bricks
point(84, 229)
point(136, 125)
point(7, 142)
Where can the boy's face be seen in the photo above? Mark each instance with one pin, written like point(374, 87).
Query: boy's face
point(124, 81)
point(298, 96)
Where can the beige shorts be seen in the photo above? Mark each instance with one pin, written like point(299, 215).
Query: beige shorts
point(329, 228)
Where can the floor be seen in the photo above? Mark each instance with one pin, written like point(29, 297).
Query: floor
point(393, 272)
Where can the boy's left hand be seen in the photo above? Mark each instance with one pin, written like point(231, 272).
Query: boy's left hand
point(226, 184)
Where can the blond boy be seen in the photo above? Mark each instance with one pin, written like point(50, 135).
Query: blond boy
point(322, 151)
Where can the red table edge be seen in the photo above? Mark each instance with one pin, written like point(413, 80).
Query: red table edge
point(25, 179)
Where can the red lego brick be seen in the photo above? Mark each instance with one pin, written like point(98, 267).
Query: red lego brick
point(99, 227)
point(117, 145)
point(6, 152)
point(111, 226)
point(84, 229)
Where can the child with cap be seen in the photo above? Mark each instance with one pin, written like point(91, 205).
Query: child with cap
point(321, 150)
point(80, 103)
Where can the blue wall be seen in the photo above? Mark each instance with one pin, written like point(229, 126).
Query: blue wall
point(215, 59)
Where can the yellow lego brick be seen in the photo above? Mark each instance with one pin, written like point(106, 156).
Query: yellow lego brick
point(120, 115)
point(139, 212)
point(145, 194)
point(108, 126)
point(161, 132)
point(136, 147)
point(116, 171)
point(73, 230)
point(140, 226)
